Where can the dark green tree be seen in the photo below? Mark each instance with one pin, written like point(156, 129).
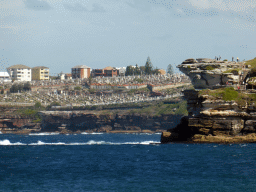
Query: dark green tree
point(137, 70)
point(14, 88)
point(170, 69)
point(129, 70)
point(38, 105)
point(155, 71)
point(27, 86)
point(148, 67)
point(142, 70)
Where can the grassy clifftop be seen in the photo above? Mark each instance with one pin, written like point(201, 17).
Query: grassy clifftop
point(251, 62)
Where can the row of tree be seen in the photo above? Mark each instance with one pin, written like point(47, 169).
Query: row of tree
point(20, 87)
point(148, 69)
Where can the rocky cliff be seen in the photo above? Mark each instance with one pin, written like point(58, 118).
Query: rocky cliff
point(80, 121)
point(225, 115)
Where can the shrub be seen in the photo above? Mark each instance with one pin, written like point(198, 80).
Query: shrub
point(229, 94)
point(209, 67)
point(77, 88)
point(38, 105)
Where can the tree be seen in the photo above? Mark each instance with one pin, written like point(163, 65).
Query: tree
point(155, 71)
point(148, 67)
point(77, 88)
point(170, 69)
point(27, 86)
point(142, 70)
point(129, 70)
point(38, 105)
point(137, 70)
point(14, 88)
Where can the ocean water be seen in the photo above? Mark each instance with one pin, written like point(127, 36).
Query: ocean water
point(122, 162)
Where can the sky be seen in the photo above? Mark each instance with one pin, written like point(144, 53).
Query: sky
point(61, 34)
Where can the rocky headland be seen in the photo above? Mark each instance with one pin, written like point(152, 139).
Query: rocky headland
point(221, 108)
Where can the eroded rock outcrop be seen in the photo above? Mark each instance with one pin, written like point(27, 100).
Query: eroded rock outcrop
point(212, 118)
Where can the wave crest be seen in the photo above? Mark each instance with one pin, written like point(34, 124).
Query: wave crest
point(91, 142)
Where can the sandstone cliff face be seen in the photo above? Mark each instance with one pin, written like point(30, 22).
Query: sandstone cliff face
point(15, 123)
point(210, 118)
point(79, 120)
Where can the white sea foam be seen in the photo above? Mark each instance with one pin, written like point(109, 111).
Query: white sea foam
point(7, 142)
point(38, 134)
point(85, 133)
point(91, 142)
point(1, 132)
point(145, 133)
point(43, 143)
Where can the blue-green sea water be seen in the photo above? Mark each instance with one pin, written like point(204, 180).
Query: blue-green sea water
point(122, 162)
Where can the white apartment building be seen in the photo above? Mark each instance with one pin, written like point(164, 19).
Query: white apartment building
point(20, 72)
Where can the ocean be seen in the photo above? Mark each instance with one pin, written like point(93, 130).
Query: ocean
point(122, 162)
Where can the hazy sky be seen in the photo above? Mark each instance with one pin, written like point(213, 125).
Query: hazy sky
point(60, 34)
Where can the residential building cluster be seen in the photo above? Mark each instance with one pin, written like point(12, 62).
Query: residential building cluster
point(24, 73)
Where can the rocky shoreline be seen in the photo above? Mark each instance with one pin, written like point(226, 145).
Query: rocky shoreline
point(75, 122)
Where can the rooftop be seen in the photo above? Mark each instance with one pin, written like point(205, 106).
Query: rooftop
point(19, 66)
point(4, 74)
point(40, 67)
point(108, 68)
point(81, 66)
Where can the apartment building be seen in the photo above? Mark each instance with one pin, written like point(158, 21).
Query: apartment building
point(40, 73)
point(20, 72)
point(81, 72)
point(106, 72)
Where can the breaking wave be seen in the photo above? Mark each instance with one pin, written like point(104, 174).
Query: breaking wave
point(85, 133)
point(40, 134)
point(7, 142)
point(91, 142)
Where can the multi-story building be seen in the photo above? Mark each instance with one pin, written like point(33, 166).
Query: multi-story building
point(81, 72)
point(20, 72)
point(111, 72)
point(40, 73)
point(106, 72)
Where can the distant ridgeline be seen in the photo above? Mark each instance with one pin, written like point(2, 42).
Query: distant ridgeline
point(222, 107)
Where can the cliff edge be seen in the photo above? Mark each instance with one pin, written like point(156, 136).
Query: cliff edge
point(221, 108)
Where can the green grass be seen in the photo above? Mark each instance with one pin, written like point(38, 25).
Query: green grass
point(232, 71)
point(209, 68)
point(163, 109)
point(251, 62)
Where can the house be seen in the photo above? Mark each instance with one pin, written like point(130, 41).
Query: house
point(81, 72)
point(40, 73)
point(20, 72)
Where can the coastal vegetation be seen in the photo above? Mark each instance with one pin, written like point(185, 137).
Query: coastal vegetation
point(162, 108)
point(230, 94)
point(251, 62)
